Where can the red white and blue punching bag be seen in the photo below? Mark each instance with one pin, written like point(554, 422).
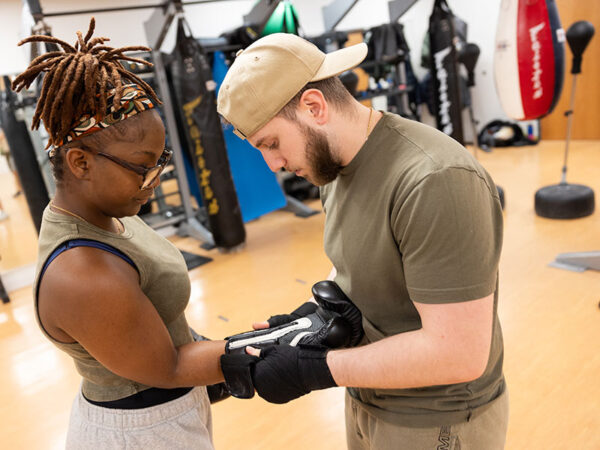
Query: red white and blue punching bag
point(529, 60)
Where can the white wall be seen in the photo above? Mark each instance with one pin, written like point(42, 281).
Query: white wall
point(12, 58)
point(123, 28)
point(211, 19)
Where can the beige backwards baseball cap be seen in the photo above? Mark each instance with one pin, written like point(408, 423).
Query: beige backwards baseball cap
point(269, 73)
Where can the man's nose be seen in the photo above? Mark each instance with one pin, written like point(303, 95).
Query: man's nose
point(275, 162)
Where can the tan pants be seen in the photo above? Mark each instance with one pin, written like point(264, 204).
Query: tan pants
point(184, 423)
point(486, 431)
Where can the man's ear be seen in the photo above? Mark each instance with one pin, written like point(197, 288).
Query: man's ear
point(78, 161)
point(314, 105)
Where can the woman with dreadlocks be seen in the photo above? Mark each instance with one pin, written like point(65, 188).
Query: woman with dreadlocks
point(109, 291)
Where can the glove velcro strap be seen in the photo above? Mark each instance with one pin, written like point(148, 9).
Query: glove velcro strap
point(237, 370)
point(303, 310)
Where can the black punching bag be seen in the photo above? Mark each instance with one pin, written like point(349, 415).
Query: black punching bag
point(444, 70)
point(579, 36)
point(468, 56)
point(195, 90)
point(23, 156)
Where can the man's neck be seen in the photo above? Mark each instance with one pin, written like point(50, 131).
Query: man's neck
point(353, 129)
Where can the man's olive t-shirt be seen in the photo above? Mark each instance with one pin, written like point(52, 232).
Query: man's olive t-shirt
point(414, 218)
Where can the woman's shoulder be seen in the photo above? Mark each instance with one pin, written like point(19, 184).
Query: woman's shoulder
point(79, 283)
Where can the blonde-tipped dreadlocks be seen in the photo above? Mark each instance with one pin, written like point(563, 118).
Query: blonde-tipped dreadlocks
point(77, 80)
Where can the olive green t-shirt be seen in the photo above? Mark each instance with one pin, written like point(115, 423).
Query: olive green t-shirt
point(415, 218)
point(164, 280)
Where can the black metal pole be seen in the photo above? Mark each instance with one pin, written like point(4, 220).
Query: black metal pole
point(36, 9)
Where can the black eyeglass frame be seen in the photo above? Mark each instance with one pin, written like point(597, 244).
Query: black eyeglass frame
point(143, 171)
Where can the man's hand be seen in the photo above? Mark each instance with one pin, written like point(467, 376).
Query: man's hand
point(279, 373)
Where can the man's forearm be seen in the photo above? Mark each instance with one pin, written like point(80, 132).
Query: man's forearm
point(453, 346)
point(407, 360)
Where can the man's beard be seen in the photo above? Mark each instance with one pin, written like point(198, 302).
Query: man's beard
point(324, 165)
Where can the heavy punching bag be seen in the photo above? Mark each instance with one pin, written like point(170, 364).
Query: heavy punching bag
point(565, 200)
point(529, 58)
point(23, 156)
point(195, 91)
point(444, 69)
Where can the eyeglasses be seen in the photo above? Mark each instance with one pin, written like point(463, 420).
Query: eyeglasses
point(148, 174)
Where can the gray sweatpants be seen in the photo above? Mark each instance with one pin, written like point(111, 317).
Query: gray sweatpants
point(183, 423)
point(486, 431)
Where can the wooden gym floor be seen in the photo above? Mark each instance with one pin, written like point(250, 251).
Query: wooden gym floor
point(550, 318)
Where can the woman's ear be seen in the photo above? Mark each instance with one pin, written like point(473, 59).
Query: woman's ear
point(78, 161)
point(313, 103)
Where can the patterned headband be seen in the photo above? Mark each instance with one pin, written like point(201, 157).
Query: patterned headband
point(134, 100)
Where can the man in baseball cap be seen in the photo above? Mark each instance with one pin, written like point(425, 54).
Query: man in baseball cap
point(414, 231)
point(263, 87)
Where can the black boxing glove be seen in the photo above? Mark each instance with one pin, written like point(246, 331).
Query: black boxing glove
point(331, 297)
point(237, 370)
point(281, 373)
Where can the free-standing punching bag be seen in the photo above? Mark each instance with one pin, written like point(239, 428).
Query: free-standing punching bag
point(23, 156)
point(350, 80)
point(444, 70)
point(529, 58)
point(565, 200)
point(468, 57)
point(195, 91)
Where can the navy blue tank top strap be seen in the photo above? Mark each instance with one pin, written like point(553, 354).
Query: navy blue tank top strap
point(84, 243)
